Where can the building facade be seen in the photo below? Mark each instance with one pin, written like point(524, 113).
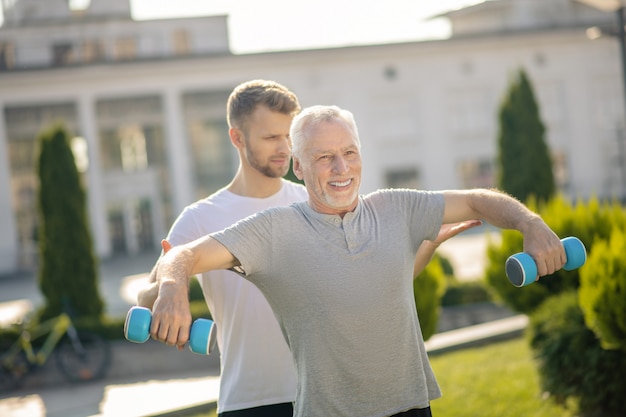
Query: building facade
point(145, 103)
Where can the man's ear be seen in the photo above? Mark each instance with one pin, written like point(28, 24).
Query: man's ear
point(236, 137)
point(297, 168)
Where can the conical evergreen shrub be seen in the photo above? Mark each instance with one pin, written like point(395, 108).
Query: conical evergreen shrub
point(67, 265)
point(524, 161)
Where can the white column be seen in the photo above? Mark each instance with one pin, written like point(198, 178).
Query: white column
point(8, 243)
point(96, 194)
point(178, 152)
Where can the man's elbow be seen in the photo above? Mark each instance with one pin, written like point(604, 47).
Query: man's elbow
point(147, 296)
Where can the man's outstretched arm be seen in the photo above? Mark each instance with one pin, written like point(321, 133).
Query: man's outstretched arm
point(505, 212)
point(171, 318)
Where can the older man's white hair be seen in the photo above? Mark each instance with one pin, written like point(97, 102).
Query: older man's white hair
point(311, 117)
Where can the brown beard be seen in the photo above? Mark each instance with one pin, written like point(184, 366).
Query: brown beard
point(265, 169)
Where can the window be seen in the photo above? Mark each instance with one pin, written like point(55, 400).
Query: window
point(93, 51)
point(125, 48)
point(478, 173)
point(403, 178)
point(132, 144)
point(7, 56)
point(214, 159)
point(133, 148)
point(181, 42)
point(62, 54)
point(131, 133)
point(470, 111)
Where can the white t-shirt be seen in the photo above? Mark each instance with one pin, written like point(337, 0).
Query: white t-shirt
point(256, 364)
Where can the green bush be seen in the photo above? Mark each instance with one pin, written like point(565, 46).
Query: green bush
point(466, 292)
point(602, 293)
point(572, 363)
point(195, 290)
point(447, 267)
point(199, 310)
point(68, 273)
point(589, 221)
point(428, 288)
point(111, 328)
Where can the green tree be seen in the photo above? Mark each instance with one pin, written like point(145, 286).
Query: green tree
point(67, 270)
point(291, 176)
point(524, 163)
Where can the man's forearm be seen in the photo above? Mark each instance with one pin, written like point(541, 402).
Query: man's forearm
point(495, 207)
point(199, 256)
point(423, 256)
point(504, 211)
point(174, 267)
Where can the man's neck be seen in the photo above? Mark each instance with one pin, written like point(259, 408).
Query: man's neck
point(254, 185)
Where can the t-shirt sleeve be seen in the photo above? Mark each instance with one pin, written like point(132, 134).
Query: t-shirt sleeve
point(185, 228)
point(427, 213)
point(421, 211)
point(249, 240)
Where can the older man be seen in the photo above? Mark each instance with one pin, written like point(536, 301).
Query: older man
point(337, 271)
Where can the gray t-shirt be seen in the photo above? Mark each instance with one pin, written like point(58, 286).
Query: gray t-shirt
point(342, 291)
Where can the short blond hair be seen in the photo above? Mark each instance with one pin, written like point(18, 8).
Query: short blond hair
point(248, 95)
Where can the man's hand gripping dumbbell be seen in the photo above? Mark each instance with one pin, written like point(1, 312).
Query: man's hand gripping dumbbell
point(202, 337)
point(521, 269)
point(137, 329)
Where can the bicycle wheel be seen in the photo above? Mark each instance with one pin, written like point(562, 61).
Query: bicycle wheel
point(84, 359)
point(13, 370)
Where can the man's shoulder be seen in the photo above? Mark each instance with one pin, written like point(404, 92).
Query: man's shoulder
point(400, 196)
point(294, 188)
point(220, 205)
point(390, 192)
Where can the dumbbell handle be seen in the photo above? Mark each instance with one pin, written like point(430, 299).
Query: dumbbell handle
point(521, 268)
point(137, 329)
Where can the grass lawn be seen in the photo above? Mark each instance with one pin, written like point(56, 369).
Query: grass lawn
point(495, 380)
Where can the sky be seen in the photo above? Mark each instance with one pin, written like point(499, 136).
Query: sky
point(265, 25)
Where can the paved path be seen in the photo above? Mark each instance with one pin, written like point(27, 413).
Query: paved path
point(123, 397)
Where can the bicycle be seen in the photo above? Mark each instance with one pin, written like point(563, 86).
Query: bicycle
point(80, 355)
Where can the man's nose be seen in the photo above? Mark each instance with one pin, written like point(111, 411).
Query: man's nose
point(340, 165)
point(284, 145)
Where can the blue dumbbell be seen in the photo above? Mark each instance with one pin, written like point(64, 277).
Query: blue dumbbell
point(137, 330)
point(521, 268)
